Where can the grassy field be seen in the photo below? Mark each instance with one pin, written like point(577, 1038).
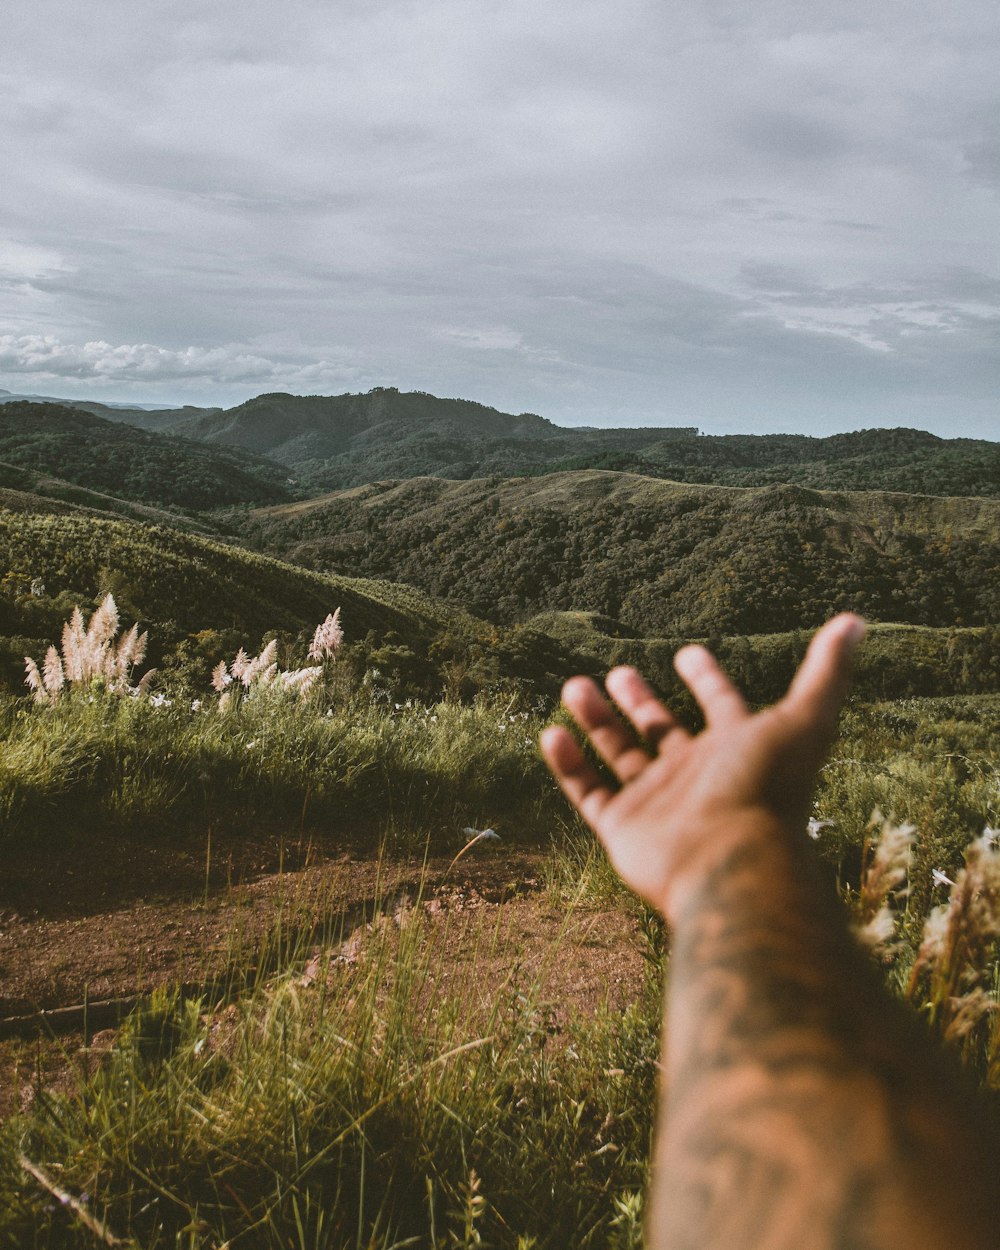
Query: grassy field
point(378, 1110)
point(373, 1100)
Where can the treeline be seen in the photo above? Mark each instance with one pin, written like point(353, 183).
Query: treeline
point(661, 560)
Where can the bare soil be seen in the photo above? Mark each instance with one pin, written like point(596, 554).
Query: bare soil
point(104, 926)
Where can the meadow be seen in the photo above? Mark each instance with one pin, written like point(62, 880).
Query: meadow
point(417, 1093)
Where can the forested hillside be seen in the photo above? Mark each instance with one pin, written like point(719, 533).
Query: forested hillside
point(121, 460)
point(661, 558)
point(337, 441)
point(201, 601)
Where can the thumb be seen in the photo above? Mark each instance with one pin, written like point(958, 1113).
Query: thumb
point(821, 683)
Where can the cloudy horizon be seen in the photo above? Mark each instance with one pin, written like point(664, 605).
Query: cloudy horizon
point(729, 216)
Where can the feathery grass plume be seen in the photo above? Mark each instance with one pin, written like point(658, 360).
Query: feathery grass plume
point(104, 623)
point(263, 668)
point(53, 677)
point(73, 634)
point(327, 638)
point(959, 943)
point(301, 679)
point(886, 862)
point(131, 650)
point(90, 652)
point(239, 665)
point(33, 678)
point(145, 681)
point(261, 671)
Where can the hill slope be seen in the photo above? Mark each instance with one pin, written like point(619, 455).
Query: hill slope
point(187, 583)
point(332, 442)
point(661, 558)
point(121, 460)
point(347, 440)
point(302, 429)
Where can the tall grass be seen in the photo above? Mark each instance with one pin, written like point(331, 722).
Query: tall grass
point(371, 1107)
point(146, 768)
point(360, 1106)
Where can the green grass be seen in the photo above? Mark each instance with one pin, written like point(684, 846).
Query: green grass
point(367, 1110)
point(365, 769)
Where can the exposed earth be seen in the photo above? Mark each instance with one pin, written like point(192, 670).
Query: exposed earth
point(87, 932)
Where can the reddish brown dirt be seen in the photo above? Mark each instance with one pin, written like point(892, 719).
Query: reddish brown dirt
point(102, 927)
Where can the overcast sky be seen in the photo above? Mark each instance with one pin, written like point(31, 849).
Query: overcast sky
point(609, 212)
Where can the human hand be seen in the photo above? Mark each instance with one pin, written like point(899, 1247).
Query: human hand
point(745, 777)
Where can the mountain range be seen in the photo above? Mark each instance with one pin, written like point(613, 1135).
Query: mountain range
point(464, 540)
point(331, 442)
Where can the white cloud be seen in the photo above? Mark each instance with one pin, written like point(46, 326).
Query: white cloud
point(45, 357)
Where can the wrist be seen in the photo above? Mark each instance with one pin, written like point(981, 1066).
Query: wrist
point(756, 843)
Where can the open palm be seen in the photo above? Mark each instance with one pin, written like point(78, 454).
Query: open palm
point(678, 809)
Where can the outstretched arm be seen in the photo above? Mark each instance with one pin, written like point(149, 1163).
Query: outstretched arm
point(802, 1108)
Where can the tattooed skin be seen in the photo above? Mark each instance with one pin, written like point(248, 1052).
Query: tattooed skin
point(801, 1107)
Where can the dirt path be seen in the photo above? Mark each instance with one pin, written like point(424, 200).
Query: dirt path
point(58, 952)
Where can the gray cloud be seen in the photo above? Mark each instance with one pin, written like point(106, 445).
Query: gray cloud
point(722, 214)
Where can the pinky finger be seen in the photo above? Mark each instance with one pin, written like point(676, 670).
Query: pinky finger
point(578, 779)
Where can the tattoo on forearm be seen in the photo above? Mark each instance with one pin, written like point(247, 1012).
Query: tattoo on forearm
point(791, 1120)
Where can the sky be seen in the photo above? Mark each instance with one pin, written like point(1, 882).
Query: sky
point(744, 217)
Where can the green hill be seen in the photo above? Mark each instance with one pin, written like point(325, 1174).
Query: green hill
point(658, 557)
point(187, 583)
point(120, 460)
point(302, 430)
point(24, 490)
point(332, 442)
point(201, 600)
point(337, 441)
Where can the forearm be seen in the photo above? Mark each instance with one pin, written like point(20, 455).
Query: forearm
point(802, 1107)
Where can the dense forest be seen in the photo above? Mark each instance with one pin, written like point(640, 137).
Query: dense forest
point(659, 558)
point(331, 442)
point(120, 460)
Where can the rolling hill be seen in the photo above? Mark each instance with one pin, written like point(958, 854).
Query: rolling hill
point(201, 600)
point(659, 557)
point(120, 460)
point(338, 441)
